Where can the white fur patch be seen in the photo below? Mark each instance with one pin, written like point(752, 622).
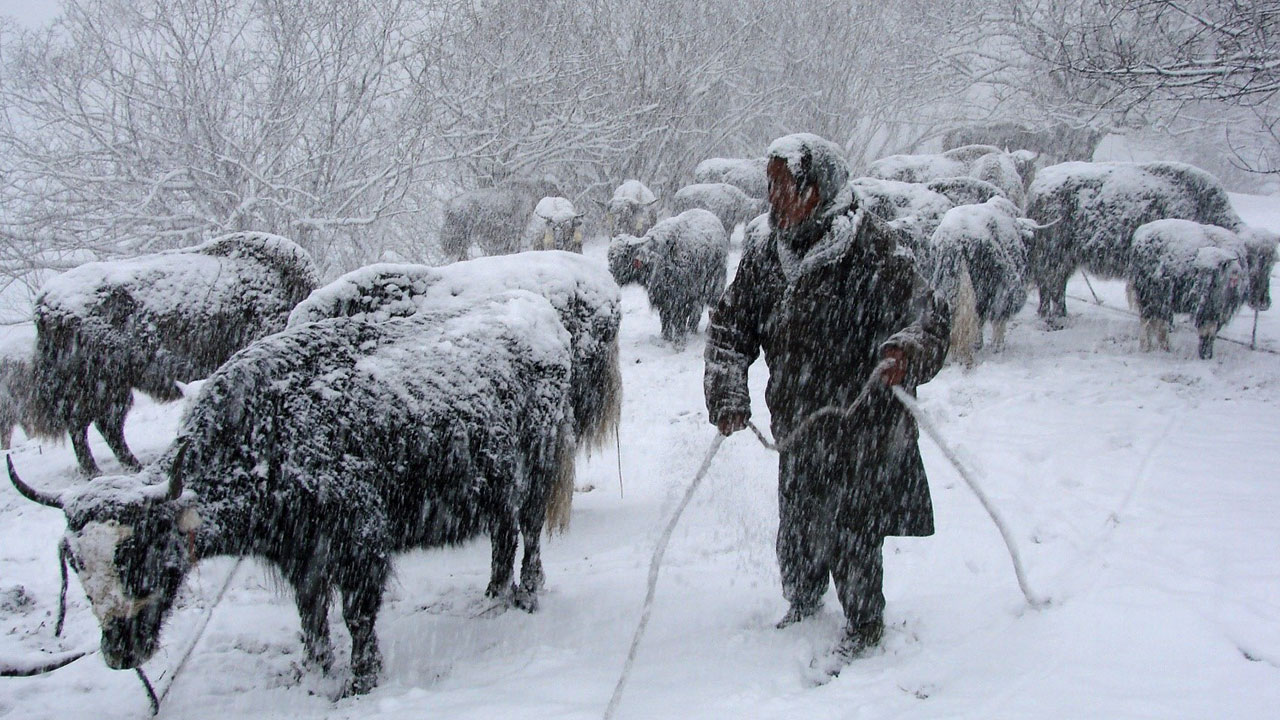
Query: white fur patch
point(94, 548)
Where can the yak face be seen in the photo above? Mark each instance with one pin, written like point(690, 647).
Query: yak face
point(1260, 257)
point(131, 565)
point(627, 260)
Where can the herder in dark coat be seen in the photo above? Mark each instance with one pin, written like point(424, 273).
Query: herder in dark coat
point(827, 296)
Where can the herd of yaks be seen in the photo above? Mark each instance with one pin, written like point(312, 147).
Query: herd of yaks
point(410, 406)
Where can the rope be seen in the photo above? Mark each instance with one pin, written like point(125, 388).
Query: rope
point(654, 565)
point(923, 420)
point(1251, 346)
point(173, 679)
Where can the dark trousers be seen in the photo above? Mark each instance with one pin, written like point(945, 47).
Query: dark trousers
point(820, 538)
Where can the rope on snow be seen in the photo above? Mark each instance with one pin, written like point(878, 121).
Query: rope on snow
point(654, 565)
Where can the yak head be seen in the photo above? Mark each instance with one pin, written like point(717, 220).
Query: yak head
point(627, 259)
point(561, 225)
point(1260, 258)
point(131, 543)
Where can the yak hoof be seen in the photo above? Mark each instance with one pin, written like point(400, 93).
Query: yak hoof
point(359, 685)
point(526, 600)
point(505, 593)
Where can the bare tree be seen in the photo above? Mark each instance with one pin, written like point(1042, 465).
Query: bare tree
point(1148, 61)
point(134, 125)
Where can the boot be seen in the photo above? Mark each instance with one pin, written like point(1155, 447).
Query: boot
point(859, 638)
point(796, 613)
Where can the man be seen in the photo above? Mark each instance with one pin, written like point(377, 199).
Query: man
point(828, 295)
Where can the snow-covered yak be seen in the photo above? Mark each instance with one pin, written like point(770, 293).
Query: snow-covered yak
point(984, 162)
point(150, 322)
point(1061, 142)
point(494, 218)
point(1179, 266)
point(681, 263)
point(965, 190)
point(1089, 212)
point(911, 208)
point(747, 174)
point(580, 290)
point(632, 209)
point(327, 448)
point(980, 261)
point(727, 202)
point(555, 225)
point(15, 397)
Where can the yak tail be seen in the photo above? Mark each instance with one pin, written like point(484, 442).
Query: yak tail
point(560, 495)
point(598, 420)
point(966, 326)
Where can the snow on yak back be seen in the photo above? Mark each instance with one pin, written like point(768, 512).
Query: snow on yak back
point(913, 209)
point(149, 322)
point(329, 447)
point(1180, 266)
point(980, 267)
point(494, 218)
point(727, 202)
point(682, 264)
point(582, 291)
point(965, 190)
point(1089, 212)
point(747, 174)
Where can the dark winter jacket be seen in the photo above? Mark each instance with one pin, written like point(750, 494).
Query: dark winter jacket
point(822, 321)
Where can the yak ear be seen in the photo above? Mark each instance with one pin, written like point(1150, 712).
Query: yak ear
point(29, 492)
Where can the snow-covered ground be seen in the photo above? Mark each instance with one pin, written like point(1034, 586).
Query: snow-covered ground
point(1143, 492)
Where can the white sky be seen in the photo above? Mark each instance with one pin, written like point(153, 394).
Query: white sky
point(30, 12)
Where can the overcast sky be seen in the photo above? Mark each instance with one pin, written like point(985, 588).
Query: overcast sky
point(30, 12)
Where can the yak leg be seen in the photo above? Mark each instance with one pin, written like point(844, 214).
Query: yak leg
point(80, 444)
point(1207, 335)
point(111, 427)
point(998, 328)
point(503, 537)
point(360, 601)
point(313, 611)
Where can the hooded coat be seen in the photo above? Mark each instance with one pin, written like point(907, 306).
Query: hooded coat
point(823, 319)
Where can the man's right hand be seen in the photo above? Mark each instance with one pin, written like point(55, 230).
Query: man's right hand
point(731, 422)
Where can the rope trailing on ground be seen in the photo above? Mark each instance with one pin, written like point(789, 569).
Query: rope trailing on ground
point(1251, 345)
point(654, 565)
point(173, 679)
point(923, 420)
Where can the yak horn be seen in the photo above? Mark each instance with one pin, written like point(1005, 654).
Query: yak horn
point(29, 492)
point(175, 473)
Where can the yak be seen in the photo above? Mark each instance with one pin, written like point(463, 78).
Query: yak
point(681, 262)
point(327, 448)
point(495, 218)
point(580, 289)
point(151, 322)
point(1089, 212)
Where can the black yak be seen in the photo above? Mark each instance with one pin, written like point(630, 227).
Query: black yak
point(327, 448)
point(150, 322)
point(1089, 212)
point(632, 209)
point(494, 218)
point(682, 264)
point(727, 202)
point(1179, 266)
point(582, 292)
point(979, 266)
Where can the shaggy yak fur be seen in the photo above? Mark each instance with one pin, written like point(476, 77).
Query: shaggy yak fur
point(494, 218)
point(1089, 212)
point(1179, 266)
point(980, 263)
point(151, 322)
point(584, 295)
point(325, 450)
point(15, 397)
point(681, 262)
point(727, 202)
point(747, 174)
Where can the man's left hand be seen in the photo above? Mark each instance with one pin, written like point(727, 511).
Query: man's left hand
point(896, 371)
